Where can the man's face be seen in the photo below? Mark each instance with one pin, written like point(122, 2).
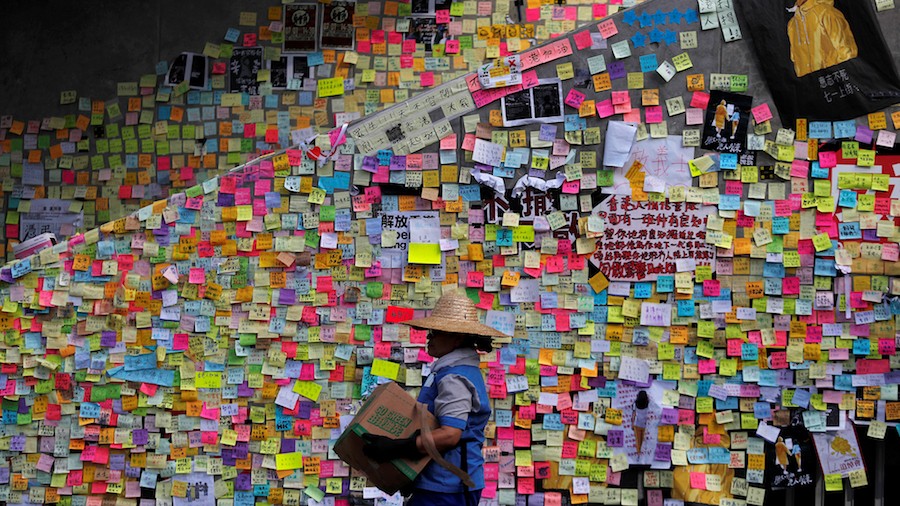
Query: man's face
point(441, 343)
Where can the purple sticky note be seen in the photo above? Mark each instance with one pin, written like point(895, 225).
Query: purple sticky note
point(615, 438)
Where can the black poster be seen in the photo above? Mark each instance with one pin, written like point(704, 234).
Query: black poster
point(242, 69)
point(337, 25)
point(725, 125)
point(822, 59)
point(300, 21)
point(791, 461)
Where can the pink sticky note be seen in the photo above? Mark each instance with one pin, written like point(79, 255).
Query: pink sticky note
point(427, 79)
point(449, 142)
point(799, 168)
point(653, 114)
point(608, 28)
point(605, 108)
point(582, 39)
point(452, 47)
point(700, 99)
point(693, 116)
point(442, 16)
point(761, 113)
point(698, 481)
point(631, 115)
point(574, 98)
point(529, 79)
point(827, 159)
point(619, 97)
point(197, 276)
point(600, 11)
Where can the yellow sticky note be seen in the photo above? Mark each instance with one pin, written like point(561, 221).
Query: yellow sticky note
point(421, 253)
point(385, 369)
point(208, 380)
point(821, 242)
point(285, 461)
point(565, 71)
point(523, 458)
point(833, 483)
point(330, 87)
point(308, 389)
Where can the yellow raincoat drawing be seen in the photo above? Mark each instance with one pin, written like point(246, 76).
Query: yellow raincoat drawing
point(820, 36)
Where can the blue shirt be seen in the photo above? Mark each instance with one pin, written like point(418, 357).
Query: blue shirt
point(455, 393)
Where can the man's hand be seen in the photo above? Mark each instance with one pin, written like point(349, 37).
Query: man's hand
point(383, 448)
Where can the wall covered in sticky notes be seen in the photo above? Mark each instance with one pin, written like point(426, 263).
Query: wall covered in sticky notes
point(268, 77)
point(709, 322)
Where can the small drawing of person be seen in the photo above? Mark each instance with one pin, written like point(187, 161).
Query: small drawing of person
point(735, 119)
point(639, 418)
point(820, 36)
point(721, 115)
point(797, 454)
point(781, 454)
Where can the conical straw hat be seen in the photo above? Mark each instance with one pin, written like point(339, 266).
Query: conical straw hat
point(454, 312)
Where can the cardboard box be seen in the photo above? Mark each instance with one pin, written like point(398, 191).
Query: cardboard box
point(389, 411)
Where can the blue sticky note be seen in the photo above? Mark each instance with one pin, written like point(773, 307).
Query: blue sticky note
point(729, 202)
point(847, 198)
point(861, 347)
point(686, 308)
point(773, 270)
point(749, 351)
point(817, 171)
point(762, 410)
point(819, 129)
point(232, 34)
point(317, 58)
point(849, 230)
point(801, 397)
point(648, 62)
point(825, 267)
point(470, 192)
point(89, 410)
point(728, 161)
point(665, 284)
point(642, 290)
point(781, 225)
point(845, 129)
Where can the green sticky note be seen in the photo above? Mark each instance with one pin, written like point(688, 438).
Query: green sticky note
point(374, 290)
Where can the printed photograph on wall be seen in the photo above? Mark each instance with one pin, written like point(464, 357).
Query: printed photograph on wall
point(337, 25)
point(242, 69)
point(824, 59)
point(429, 6)
point(300, 21)
point(427, 31)
point(725, 127)
point(191, 66)
point(290, 68)
point(541, 104)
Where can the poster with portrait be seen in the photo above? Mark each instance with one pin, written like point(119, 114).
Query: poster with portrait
point(300, 22)
point(791, 462)
point(427, 31)
point(725, 124)
point(243, 67)
point(823, 59)
point(289, 72)
point(337, 25)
